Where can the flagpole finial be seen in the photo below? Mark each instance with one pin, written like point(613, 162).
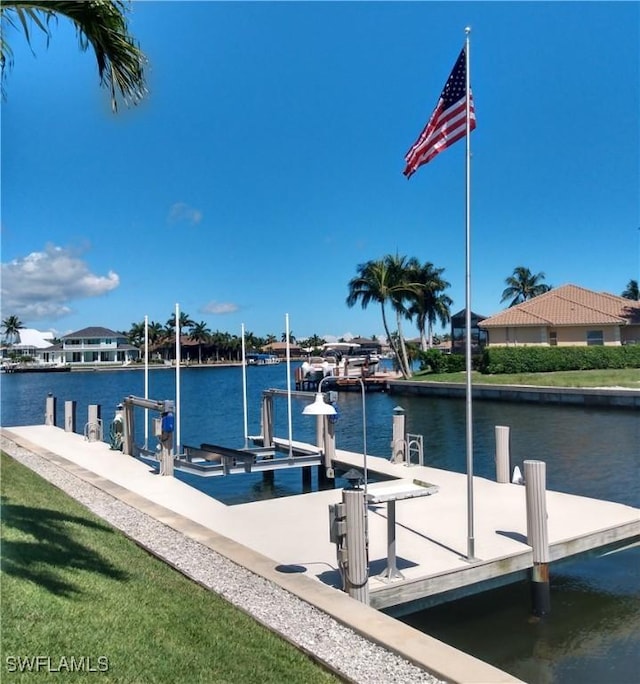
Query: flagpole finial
point(467, 29)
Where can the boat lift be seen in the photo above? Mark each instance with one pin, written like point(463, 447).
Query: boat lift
point(208, 460)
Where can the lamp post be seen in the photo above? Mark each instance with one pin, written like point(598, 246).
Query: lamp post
point(321, 408)
point(357, 533)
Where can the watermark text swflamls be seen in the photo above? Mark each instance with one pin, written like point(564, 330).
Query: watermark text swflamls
point(61, 664)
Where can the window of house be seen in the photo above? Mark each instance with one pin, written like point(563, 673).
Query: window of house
point(595, 337)
point(553, 338)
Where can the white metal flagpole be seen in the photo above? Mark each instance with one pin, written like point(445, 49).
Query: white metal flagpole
point(244, 391)
point(146, 380)
point(469, 412)
point(286, 318)
point(177, 413)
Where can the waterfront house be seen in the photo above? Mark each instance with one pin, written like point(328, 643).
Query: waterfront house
point(567, 316)
point(459, 332)
point(31, 343)
point(280, 349)
point(95, 346)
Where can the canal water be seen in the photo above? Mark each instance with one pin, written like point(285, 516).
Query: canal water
point(593, 632)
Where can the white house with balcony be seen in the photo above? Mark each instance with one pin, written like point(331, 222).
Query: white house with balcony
point(95, 346)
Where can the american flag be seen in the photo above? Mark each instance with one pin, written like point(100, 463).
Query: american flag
point(448, 121)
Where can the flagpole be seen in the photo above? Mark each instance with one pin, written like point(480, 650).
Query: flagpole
point(469, 413)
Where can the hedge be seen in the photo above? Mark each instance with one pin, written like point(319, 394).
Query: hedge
point(497, 360)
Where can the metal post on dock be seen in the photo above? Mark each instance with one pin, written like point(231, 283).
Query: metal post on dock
point(398, 440)
point(356, 571)
point(503, 458)
point(328, 445)
point(128, 429)
point(537, 535)
point(267, 420)
point(50, 410)
point(70, 416)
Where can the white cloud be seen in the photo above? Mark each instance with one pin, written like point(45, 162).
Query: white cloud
point(219, 308)
point(183, 213)
point(42, 284)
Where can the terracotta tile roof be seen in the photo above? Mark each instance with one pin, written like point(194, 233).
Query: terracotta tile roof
point(568, 305)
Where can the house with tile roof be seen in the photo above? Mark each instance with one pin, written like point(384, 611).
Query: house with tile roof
point(95, 345)
point(567, 316)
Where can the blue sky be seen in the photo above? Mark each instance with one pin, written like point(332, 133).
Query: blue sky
point(266, 162)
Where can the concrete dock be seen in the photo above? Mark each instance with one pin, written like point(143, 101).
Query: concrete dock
point(290, 535)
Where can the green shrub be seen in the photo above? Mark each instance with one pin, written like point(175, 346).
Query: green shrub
point(498, 360)
point(435, 361)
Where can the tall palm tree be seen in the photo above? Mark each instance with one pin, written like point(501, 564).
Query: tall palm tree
point(430, 303)
point(292, 337)
point(101, 24)
point(523, 285)
point(632, 291)
point(385, 281)
point(200, 333)
point(12, 326)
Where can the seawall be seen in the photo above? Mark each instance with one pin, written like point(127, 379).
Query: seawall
point(578, 396)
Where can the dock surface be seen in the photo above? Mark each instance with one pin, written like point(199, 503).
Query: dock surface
point(431, 531)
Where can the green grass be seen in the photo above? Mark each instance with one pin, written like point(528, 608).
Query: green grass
point(626, 377)
point(74, 586)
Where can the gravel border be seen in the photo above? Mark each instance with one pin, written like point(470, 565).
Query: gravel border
point(334, 645)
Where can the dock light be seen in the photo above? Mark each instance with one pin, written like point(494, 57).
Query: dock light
point(319, 407)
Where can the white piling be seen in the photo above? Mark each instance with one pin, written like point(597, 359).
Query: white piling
point(537, 535)
point(398, 439)
point(503, 457)
point(70, 416)
point(93, 428)
point(50, 410)
point(356, 570)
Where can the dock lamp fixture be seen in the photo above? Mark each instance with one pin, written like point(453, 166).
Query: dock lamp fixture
point(320, 407)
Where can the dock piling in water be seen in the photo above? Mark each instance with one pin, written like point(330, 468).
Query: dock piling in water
point(537, 535)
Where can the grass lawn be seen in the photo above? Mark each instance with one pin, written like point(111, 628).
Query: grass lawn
point(73, 586)
point(624, 377)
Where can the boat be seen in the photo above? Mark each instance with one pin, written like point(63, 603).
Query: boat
point(341, 359)
point(262, 359)
point(35, 367)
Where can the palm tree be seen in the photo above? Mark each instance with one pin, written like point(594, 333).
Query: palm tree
point(430, 303)
point(632, 291)
point(386, 281)
point(185, 322)
point(200, 333)
point(101, 24)
point(292, 337)
point(523, 285)
point(12, 326)
point(135, 335)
